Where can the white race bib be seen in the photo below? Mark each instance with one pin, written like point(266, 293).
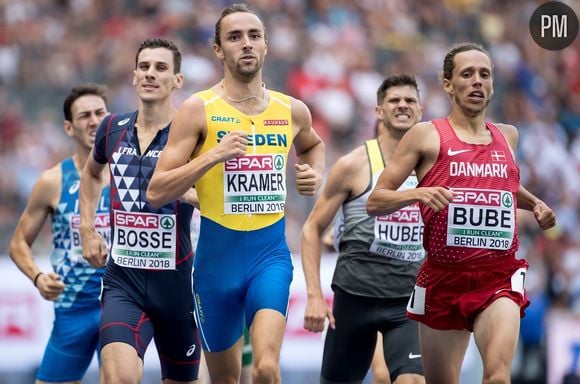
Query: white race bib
point(255, 184)
point(481, 218)
point(144, 240)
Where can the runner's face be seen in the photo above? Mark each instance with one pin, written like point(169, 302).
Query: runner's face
point(154, 76)
point(471, 83)
point(87, 112)
point(400, 109)
point(243, 44)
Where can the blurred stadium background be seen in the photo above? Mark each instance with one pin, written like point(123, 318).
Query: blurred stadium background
point(333, 54)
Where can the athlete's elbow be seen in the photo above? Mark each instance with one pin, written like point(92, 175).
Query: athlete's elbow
point(153, 198)
point(372, 206)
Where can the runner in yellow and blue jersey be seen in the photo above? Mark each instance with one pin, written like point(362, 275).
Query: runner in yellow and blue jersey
point(232, 141)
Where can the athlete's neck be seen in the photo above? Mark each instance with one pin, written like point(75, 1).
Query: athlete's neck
point(154, 116)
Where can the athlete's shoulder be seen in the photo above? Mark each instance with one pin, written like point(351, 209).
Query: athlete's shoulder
point(352, 163)
point(510, 132)
point(49, 183)
point(115, 122)
point(506, 129)
point(423, 126)
point(122, 120)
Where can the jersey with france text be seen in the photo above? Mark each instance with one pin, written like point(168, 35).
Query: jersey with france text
point(82, 283)
point(143, 237)
point(379, 256)
point(479, 226)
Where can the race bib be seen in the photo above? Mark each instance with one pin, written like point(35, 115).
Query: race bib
point(144, 240)
point(400, 235)
point(481, 218)
point(103, 227)
point(255, 184)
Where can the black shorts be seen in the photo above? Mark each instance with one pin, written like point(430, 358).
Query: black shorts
point(140, 304)
point(349, 349)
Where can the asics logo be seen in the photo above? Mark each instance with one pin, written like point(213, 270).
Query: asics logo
point(413, 356)
point(451, 152)
point(123, 122)
point(191, 350)
point(74, 188)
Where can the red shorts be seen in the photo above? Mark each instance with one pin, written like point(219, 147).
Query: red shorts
point(446, 298)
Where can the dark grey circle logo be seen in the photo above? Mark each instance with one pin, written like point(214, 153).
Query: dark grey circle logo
point(554, 25)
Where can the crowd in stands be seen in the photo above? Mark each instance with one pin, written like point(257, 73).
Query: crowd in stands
point(330, 53)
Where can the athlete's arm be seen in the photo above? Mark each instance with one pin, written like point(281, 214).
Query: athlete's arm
point(544, 215)
point(42, 202)
point(408, 155)
point(175, 173)
point(334, 194)
point(309, 150)
point(94, 246)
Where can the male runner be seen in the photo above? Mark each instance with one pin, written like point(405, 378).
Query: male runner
point(147, 283)
point(378, 257)
point(468, 193)
point(232, 141)
point(74, 285)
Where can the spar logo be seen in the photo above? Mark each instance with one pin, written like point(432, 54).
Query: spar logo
point(145, 221)
point(102, 220)
point(255, 163)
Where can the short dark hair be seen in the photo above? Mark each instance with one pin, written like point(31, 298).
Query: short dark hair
point(83, 90)
point(159, 42)
point(234, 8)
point(395, 81)
point(449, 64)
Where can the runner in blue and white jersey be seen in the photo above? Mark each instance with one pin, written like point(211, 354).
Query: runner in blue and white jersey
point(73, 285)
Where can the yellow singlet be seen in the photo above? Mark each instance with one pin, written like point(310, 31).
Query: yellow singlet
point(248, 192)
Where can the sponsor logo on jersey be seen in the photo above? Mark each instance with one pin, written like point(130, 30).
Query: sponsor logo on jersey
point(275, 122)
point(225, 119)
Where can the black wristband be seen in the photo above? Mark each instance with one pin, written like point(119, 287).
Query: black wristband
point(36, 278)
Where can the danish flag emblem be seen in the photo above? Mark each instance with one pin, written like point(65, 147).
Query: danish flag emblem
point(498, 156)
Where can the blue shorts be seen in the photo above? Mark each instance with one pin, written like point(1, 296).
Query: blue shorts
point(139, 305)
point(72, 345)
point(237, 273)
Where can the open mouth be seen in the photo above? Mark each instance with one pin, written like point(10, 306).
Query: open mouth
point(476, 94)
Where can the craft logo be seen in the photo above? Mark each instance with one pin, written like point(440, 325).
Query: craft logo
point(554, 26)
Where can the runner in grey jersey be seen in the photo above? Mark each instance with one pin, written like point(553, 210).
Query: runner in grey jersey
point(378, 257)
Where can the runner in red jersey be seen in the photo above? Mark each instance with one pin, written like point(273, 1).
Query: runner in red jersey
point(469, 192)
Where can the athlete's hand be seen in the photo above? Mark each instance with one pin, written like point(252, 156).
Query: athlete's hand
point(232, 145)
point(94, 248)
point(307, 179)
point(545, 217)
point(436, 198)
point(49, 285)
point(316, 313)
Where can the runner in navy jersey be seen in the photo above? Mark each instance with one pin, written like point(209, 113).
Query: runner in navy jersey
point(468, 193)
point(73, 285)
point(147, 286)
